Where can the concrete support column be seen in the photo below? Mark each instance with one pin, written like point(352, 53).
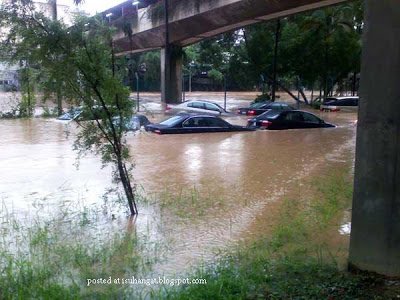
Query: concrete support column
point(171, 75)
point(375, 235)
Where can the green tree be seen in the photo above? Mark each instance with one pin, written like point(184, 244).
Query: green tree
point(82, 57)
point(55, 87)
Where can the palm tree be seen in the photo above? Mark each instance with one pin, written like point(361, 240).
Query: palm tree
point(324, 24)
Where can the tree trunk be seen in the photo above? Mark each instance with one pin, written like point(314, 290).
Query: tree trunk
point(59, 102)
point(124, 176)
point(353, 90)
point(312, 94)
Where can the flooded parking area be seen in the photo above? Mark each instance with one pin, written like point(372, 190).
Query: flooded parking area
point(200, 192)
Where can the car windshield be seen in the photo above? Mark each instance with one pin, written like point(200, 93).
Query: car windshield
point(257, 104)
point(172, 121)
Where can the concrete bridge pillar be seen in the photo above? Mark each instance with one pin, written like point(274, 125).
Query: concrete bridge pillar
point(171, 75)
point(375, 236)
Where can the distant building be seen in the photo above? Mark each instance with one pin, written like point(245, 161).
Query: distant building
point(8, 77)
point(65, 13)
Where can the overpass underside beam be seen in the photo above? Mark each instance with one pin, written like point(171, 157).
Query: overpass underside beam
point(375, 236)
point(171, 75)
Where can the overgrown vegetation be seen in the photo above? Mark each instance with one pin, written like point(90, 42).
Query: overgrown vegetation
point(53, 256)
point(296, 262)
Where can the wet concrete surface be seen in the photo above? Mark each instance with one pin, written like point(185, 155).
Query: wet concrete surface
point(235, 176)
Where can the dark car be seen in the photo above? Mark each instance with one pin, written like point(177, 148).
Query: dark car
point(281, 106)
point(290, 119)
point(194, 123)
point(254, 105)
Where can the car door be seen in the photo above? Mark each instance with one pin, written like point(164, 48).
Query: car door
point(196, 107)
point(195, 125)
point(217, 125)
point(348, 104)
point(291, 120)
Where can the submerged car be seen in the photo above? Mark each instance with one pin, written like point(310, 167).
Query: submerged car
point(133, 123)
point(198, 106)
point(253, 105)
point(291, 119)
point(72, 114)
point(194, 123)
point(340, 103)
point(279, 106)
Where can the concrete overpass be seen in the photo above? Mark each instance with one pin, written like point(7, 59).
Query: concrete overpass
point(191, 21)
point(375, 236)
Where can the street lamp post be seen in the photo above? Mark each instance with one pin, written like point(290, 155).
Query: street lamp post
point(137, 90)
point(224, 90)
point(183, 87)
point(275, 61)
point(191, 64)
point(136, 4)
point(108, 16)
point(167, 54)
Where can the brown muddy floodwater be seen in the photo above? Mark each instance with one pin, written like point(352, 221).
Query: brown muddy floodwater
point(204, 190)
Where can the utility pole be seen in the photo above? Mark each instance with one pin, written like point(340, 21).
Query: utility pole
point(275, 62)
point(225, 90)
point(167, 54)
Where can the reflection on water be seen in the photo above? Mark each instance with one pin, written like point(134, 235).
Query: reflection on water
point(244, 171)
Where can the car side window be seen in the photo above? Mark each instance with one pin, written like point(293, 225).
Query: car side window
point(195, 122)
point(196, 105)
point(214, 122)
point(294, 117)
point(345, 102)
point(309, 118)
point(189, 123)
point(275, 106)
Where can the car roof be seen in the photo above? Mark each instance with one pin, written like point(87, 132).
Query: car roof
point(187, 114)
point(343, 97)
point(289, 111)
point(303, 111)
point(205, 101)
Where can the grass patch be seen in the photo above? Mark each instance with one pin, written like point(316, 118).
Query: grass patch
point(188, 204)
point(296, 261)
point(53, 258)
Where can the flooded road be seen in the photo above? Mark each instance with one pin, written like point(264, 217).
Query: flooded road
point(203, 191)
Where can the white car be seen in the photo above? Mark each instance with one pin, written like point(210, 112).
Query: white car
point(198, 106)
point(340, 103)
